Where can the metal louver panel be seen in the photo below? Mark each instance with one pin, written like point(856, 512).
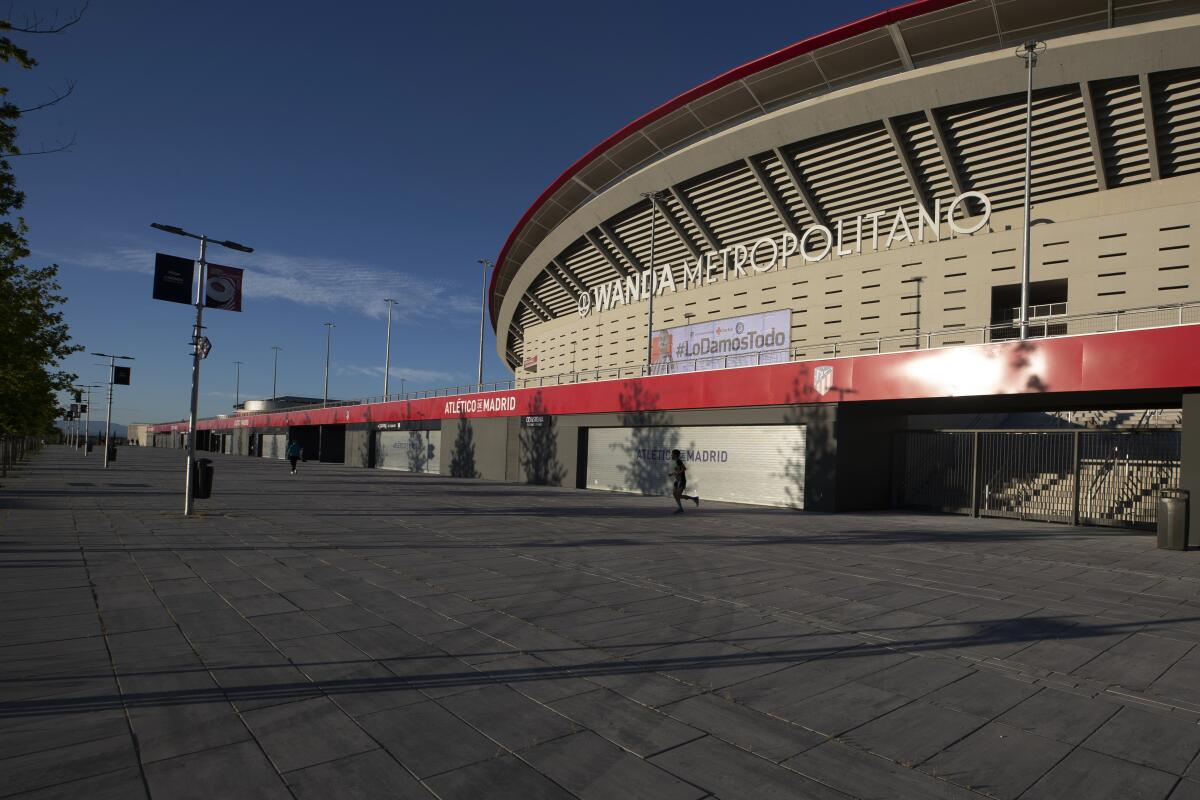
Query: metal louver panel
point(677, 211)
point(734, 207)
point(856, 172)
point(1177, 120)
point(926, 159)
point(552, 296)
point(589, 264)
point(1122, 130)
point(634, 230)
point(988, 140)
point(783, 185)
point(669, 249)
point(526, 317)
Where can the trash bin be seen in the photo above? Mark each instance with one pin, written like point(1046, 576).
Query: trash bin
point(112, 452)
point(89, 447)
point(1172, 519)
point(202, 476)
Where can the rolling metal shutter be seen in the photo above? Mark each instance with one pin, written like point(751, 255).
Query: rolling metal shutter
point(757, 464)
point(409, 451)
point(274, 445)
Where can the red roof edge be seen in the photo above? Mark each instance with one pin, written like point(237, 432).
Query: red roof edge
point(878, 20)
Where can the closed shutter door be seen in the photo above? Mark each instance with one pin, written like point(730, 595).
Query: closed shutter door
point(409, 451)
point(758, 464)
point(274, 445)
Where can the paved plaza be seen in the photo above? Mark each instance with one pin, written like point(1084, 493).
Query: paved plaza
point(354, 633)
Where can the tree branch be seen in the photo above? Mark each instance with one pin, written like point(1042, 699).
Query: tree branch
point(58, 98)
point(35, 24)
point(46, 150)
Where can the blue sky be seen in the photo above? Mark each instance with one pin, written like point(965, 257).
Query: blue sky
point(365, 150)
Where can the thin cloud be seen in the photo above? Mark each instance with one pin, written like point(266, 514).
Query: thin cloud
point(334, 283)
point(421, 376)
point(313, 281)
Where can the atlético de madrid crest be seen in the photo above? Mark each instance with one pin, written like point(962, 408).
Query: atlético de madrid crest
point(822, 380)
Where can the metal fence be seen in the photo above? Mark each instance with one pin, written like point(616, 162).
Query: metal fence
point(1081, 477)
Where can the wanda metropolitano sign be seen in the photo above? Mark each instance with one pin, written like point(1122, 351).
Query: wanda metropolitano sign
point(873, 232)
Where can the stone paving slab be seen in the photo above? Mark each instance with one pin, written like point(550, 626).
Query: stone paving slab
point(349, 633)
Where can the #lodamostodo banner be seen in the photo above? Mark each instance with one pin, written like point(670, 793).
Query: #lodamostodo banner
point(715, 344)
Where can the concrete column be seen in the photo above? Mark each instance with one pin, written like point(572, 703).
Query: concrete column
point(1190, 456)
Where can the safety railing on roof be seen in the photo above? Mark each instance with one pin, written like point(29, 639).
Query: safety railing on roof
point(1044, 328)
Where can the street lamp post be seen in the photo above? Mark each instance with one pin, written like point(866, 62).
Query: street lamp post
point(653, 197)
point(1028, 53)
point(87, 415)
point(329, 326)
point(482, 313)
point(197, 335)
point(275, 373)
point(387, 352)
point(112, 366)
point(237, 384)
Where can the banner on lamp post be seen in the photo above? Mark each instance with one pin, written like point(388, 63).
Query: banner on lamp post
point(223, 288)
point(173, 278)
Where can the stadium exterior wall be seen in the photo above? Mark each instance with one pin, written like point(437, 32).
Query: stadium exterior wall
point(1074, 235)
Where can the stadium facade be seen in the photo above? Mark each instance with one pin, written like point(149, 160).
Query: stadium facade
point(788, 269)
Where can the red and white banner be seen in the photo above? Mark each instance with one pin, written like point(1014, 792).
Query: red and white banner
point(1156, 358)
point(223, 288)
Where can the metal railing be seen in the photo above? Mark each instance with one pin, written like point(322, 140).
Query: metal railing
point(1045, 328)
point(1088, 477)
point(1041, 310)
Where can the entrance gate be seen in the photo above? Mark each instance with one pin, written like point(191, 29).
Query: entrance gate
point(1082, 477)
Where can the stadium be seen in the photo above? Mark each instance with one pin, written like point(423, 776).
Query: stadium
point(806, 273)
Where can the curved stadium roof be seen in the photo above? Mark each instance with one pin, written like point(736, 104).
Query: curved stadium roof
point(902, 38)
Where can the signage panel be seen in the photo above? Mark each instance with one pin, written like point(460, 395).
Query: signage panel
point(223, 288)
point(715, 344)
point(867, 232)
point(173, 278)
point(758, 464)
point(121, 375)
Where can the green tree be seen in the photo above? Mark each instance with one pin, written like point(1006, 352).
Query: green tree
point(33, 336)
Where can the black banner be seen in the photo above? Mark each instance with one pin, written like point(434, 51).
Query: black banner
point(537, 421)
point(173, 278)
point(121, 376)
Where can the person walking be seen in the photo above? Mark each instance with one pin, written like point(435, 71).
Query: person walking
point(681, 483)
point(293, 453)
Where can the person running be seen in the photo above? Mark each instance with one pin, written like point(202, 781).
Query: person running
point(293, 453)
point(681, 483)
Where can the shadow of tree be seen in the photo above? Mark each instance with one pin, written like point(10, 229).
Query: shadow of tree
point(462, 457)
point(539, 448)
point(418, 451)
point(810, 473)
point(793, 462)
point(648, 448)
point(564, 659)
